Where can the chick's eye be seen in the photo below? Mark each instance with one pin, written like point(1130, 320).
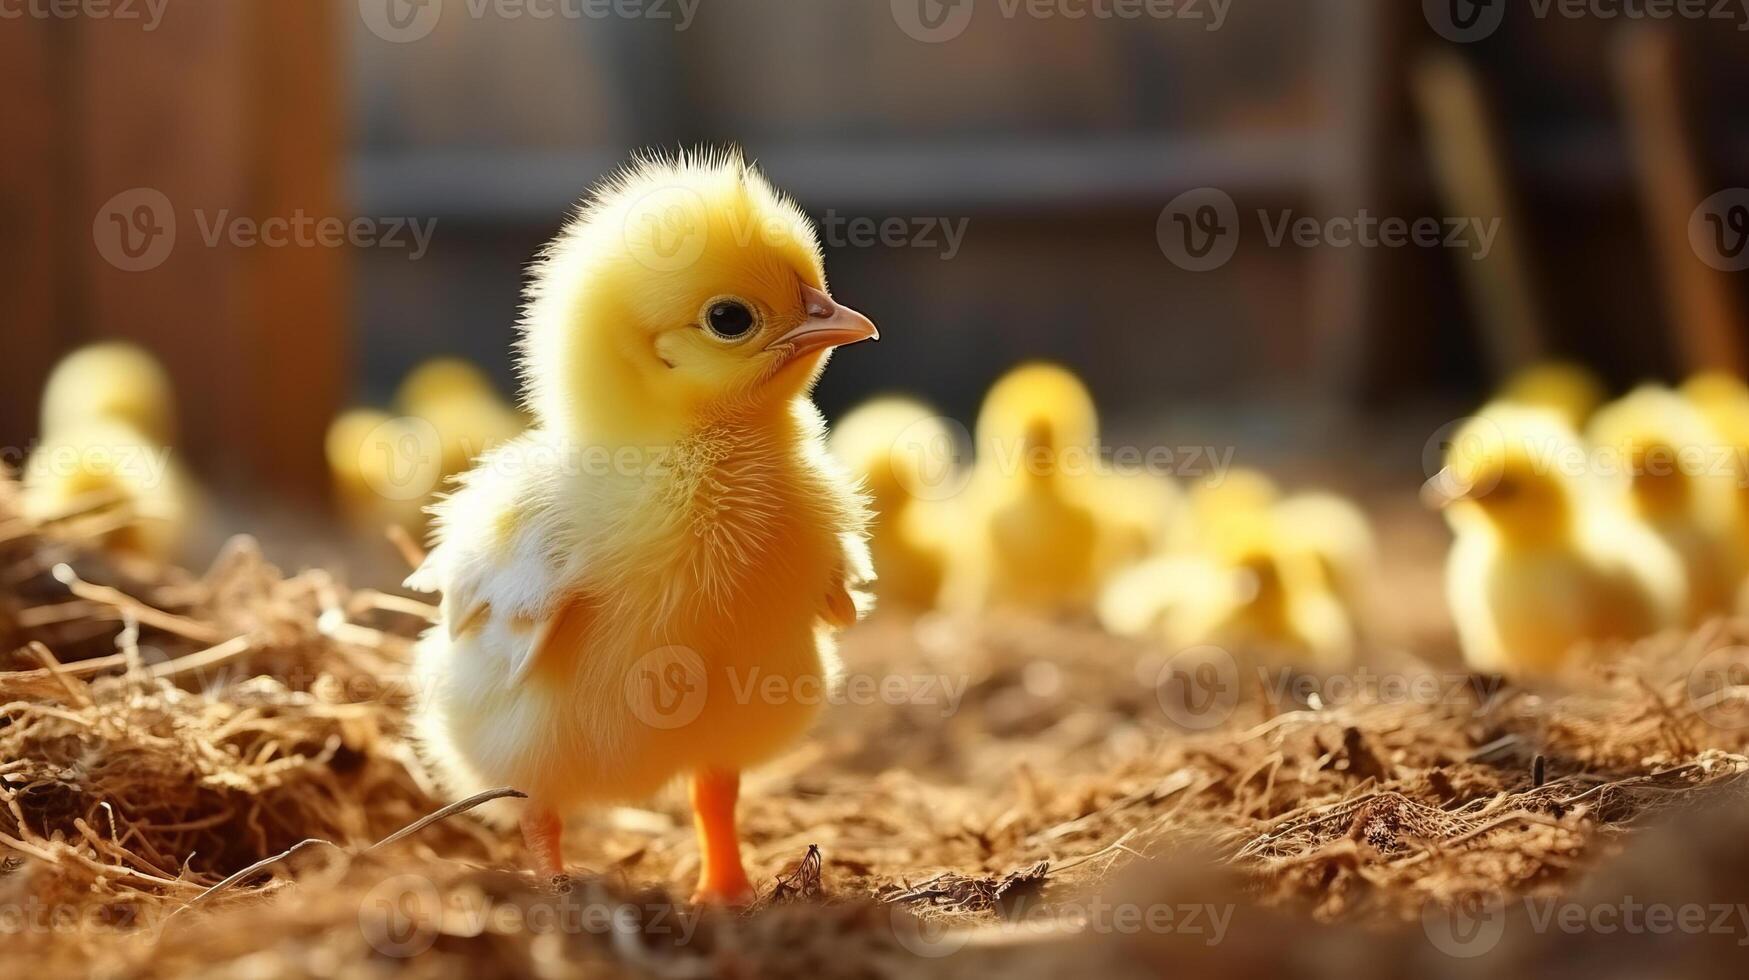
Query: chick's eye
point(729, 319)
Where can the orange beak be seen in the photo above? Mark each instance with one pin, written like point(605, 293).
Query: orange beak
point(828, 325)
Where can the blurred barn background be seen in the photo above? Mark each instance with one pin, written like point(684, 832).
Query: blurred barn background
point(1059, 141)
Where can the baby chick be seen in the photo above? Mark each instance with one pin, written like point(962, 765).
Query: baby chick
point(107, 419)
point(1033, 540)
point(1679, 482)
point(382, 469)
point(1539, 563)
point(1276, 606)
point(1226, 506)
point(1569, 390)
point(112, 380)
point(643, 586)
point(133, 486)
point(462, 405)
point(904, 455)
point(1337, 535)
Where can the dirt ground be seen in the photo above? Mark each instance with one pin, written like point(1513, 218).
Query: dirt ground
point(201, 774)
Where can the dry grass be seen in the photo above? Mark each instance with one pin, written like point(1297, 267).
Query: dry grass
point(161, 731)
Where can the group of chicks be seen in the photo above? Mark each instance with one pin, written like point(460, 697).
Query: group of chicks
point(106, 454)
point(1579, 523)
point(1040, 521)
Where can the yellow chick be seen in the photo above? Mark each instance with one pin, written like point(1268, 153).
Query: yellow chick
point(1678, 478)
point(1540, 563)
point(1569, 390)
point(1336, 534)
point(107, 467)
point(643, 586)
point(461, 403)
point(905, 457)
point(1226, 507)
point(1275, 606)
point(1724, 400)
point(113, 380)
point(383, 469)
point(1144, 515)
point(1033, 539)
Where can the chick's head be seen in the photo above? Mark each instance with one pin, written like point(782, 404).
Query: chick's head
point(1034, 416)
point(1518, 468)
point(113, 381)
point(1666, 449)
point(685, 287)
point(1568, 389)
point(898, 447)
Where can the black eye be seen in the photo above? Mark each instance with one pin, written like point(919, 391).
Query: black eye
point(729, 319)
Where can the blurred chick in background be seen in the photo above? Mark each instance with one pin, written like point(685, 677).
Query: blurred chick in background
point(1224, 506)
point(905, 457)
point(1724, 400)
point(461, 403)
point(597, 620)
point(1541, 564)
point(1336, 534)
point(1678, 481)
point(108, 417)
point(383, 468)
point(1569, 390)
point(1031, 537)
point(113, 381)
point(1277, 606)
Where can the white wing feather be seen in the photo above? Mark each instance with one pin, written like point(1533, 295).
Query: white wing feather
point(495, 561)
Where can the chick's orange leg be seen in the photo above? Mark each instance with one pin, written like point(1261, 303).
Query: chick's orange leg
point(721, 878)
point(541, 831)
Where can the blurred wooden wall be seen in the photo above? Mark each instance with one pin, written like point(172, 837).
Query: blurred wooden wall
point(225, 109)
